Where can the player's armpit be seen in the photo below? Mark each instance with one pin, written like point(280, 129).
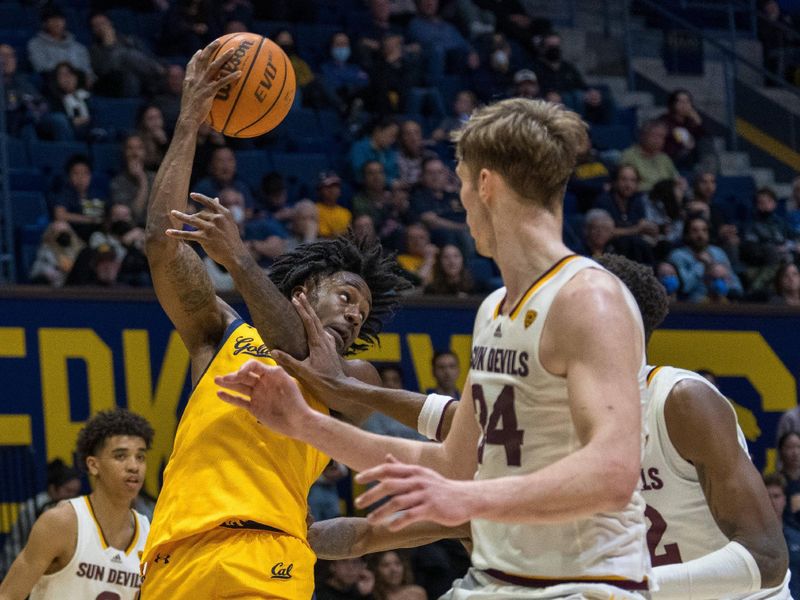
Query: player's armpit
point(702, 427)
point(350, 537)
point(53, 537)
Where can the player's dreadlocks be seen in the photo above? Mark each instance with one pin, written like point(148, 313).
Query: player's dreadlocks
point(106, 424)
point(366, 259)
point(646, 289)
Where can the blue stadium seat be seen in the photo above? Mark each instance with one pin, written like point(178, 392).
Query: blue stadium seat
point(26, 180)
point(269, 28)
point(300, 167)
point(252, 165)
point(115, 115)
point(740, 187)
point(52, 156)
point(300, 122)
point(28, 208)
point(313, 41)
point(107, 159)
point(13, 14)
point(17, 152)
point(329, 122)
point(610, 137)
point(16, 37)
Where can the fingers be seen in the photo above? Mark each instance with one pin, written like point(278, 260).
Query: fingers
point(234, 400)
point(406, 518)
point(287, 362)
point(207, 52)
point(386, 512)
point(188, 236)
point(245, 388)
point(220, 60)
point(212, 204)
point(311, 322)
point(195, 220)
point(393, 468)
point(223, 81)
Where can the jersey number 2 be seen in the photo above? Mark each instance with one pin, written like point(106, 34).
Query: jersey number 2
point(501, 426)
point(671, 554)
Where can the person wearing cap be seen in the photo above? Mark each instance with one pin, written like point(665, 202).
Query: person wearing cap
point(526, 84)
point(54, 44)
point(333, 218)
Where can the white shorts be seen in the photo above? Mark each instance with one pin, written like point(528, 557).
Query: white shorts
point(477, 585)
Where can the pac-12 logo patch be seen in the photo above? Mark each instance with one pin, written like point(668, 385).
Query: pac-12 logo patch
point(281, 571)
point(530, 317)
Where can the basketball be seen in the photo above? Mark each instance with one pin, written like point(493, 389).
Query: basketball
point(261, 98)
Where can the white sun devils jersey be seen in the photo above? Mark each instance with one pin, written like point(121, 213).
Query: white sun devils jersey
point(682, 527)
point(525, 417)
point(96, 571)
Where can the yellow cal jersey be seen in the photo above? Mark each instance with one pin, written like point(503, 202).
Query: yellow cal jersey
point(225, 467)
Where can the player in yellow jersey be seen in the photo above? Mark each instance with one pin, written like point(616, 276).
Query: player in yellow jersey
point(231, 517)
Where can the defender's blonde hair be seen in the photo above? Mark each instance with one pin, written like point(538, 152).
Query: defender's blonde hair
point(532, 144)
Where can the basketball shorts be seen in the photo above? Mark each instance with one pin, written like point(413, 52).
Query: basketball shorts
point(225, 563)
point(477, 585)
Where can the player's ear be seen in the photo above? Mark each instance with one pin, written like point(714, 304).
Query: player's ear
point(486, 185)
point(91, 465)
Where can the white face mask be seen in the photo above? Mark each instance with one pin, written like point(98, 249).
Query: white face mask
point(500, 58)
point(237, 212)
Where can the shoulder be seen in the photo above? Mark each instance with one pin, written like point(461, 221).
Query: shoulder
point(594, 289)
point(362, 370)
point(58, 524)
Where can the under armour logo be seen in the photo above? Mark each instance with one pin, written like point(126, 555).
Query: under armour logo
point(279, 571)
point(234, 524)
point(498, 332)
point(164, 559)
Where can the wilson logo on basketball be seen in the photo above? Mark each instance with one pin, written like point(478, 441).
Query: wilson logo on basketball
point(279, 571)
point(233, 65)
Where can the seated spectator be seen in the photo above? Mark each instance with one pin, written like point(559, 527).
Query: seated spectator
point(127, 240)
point(373, 196)
point(648, 156)
point(634, 234)
point(132, 185)
point(208, 140)
point(68, 96)
point(364, 228)
point(668, 276)
point(789, 422)
point(377, 146)
point(463, 105)
point(446, 371)
point(334, 219)
point(56, 255)
point(150, 127)
point(717, 279)
point(77, 204)
point(323, 497)
point(596, 108)
point(347, 579)
point(187, 26)
point(274, 198)
point(774, 31)
point(222, 174)
point(787, 286)
point(411, 153)
point(168, 100)
point(96, 267)
point(475, 23)
point(553, 71)
point(438, 208)
point(441, 42)
point(369, 36)
point(345, 78)
point(54, 45)
point(420, 255)
point(450, 275)
point(313, 92)
point(392, 75)
point(518, 23)
point(63, 482)
point(696, 257)
point(381, 424)
point(263, 236)
point(526, 85)
point(124, 66)
point(494, 78)
point(598, 233)
point(304, 226)
point(25, 106)
point(768, 242)
point(686, 136)
point(789, 467)
point(393, 577)
point(589, 179)
point(664, 207)
point(775, 485)
point(704, 203)
point(220, 278)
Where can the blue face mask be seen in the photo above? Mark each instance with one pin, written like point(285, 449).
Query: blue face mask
point(670, 283)
point(341, 53)
point(720, 286)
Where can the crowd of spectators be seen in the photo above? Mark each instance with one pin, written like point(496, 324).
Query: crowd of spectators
point(388, 83)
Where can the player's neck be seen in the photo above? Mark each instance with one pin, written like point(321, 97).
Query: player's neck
point(112, 512)
point(529, 245)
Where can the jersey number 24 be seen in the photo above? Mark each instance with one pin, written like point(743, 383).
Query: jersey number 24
point(499, 428)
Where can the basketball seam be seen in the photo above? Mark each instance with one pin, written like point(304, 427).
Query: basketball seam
point(274, 102)
point(244, 80)
point(211, 113)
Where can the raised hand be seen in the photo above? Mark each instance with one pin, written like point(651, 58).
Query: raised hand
point(415, 494)
point(202, 82)
point(216, 231)
point(269, 394)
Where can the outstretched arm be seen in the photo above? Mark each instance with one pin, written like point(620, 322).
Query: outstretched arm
point(181, 282)
point(735, 494)
point(351, 537)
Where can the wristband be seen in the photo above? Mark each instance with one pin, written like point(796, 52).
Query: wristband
point(431, 417)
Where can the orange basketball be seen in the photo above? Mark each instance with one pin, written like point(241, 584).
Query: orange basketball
point(261, 98)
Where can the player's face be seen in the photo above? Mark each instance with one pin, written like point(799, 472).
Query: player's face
point(477, 214)
point(342, 302)
point(119, 466)
point(390, 569)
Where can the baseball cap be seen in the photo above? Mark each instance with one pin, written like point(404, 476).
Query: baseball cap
point(327, 178)
point(525, 75)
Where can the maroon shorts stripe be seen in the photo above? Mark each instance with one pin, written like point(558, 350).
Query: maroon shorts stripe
point(541, 582)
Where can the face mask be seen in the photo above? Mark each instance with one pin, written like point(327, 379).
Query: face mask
point(552, 53)
point(341, 53)
point(120, 228)
point(64, 239)
point(237, 213)
point(670, 283)
point(720, 286)
point(500, 58)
